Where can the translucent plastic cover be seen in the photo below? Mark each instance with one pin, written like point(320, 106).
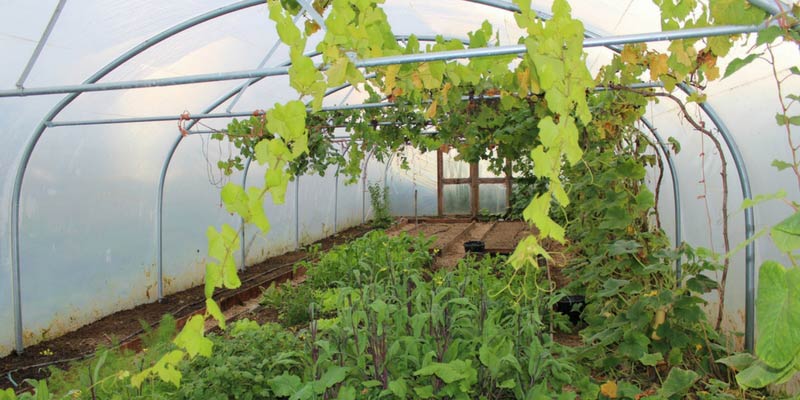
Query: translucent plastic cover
point(88, 205)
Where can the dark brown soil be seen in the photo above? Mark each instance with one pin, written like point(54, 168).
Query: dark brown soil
point(124, 326)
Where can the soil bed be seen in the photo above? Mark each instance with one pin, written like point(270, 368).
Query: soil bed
point(124, 326)
point(501, 237)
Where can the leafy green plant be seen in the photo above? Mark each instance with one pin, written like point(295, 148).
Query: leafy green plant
point(379, 198)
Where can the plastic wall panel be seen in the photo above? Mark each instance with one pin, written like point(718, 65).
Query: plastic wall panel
point(19, 117)
point(350, 202)
point(421, 176)
point(86, 228)
point(192, 204)
point(316, 206)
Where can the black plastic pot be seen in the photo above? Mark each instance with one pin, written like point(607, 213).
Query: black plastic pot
point(572, 306)
point(474, 246)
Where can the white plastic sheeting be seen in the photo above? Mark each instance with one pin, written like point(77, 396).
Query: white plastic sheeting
point(87, 226)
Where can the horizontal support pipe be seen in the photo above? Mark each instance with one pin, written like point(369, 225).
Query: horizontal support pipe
point(197, 117)
point(384, 61)
point(460, 181)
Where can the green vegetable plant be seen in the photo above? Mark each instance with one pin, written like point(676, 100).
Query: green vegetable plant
point(379, 198)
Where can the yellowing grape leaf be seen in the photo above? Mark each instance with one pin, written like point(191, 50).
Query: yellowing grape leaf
point(609, 389)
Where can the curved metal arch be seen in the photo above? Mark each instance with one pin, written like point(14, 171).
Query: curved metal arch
point(749, 219)
point(122, 59)
point(34, 139)
point(676, 191)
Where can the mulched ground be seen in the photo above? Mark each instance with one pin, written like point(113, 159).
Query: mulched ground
point(124, 326)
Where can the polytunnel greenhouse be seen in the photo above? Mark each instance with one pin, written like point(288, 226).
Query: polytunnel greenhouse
point(363, 199)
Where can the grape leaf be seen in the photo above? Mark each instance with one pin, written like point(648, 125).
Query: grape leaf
point(778, 313)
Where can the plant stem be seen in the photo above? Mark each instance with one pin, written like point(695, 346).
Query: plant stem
point(700, 127)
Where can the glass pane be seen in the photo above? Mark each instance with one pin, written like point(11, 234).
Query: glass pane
point(456, 199)
point(452, 168)
point(484, 167)
point(492, 198)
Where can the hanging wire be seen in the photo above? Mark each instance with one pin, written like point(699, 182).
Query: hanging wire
point(212, 166)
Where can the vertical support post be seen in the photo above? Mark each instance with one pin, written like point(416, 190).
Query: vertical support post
point(297, 212)
point(244, 186)
point(509, 187)
point(439, 184)
point(160, 218)
point(416, 216)
point(336, 202)
point(474, 190)
point(364, 188)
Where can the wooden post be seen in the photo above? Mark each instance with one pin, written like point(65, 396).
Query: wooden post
point(439, 182)
point(474, 190)
point(508, 185)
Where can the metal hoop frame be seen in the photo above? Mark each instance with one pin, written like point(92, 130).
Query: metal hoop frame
point(593, 40)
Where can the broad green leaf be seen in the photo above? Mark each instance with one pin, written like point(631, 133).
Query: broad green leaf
point(288, 121)
point(778, 314)
point(626, 390)
point(285, 385)
point(738, 362)
point(213, 278)
point(651, 359)
point(235, 200)
point(332, 376)
point(611, 287)
point(255, 203)
point(736, 12)
point(448, 372)
point(701, 284)
point(348, 393)
point(678, 382)
point(192, 338)
point(786, 234)
point(737, 64)
point(759, 375)
point(213, 309)
point(781, 165)
point(277, 180)
point(507, 384)
point(399, 388)
point(337, 72)
point(164, 369)
point(287, 30)
point(424, 392)
point(548, 131)
point(747, 203)
point(769, 35)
